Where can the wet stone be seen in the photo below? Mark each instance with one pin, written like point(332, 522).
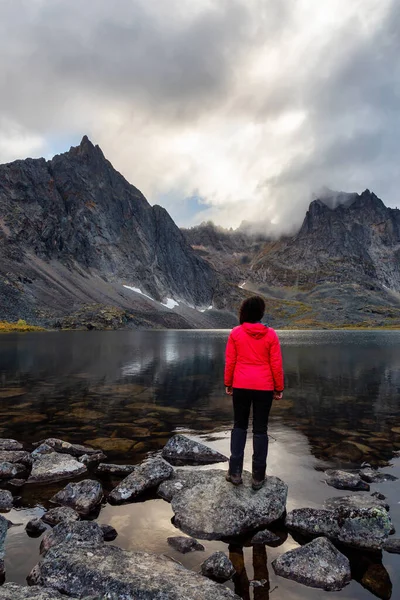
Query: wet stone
point(215, 509)
point(92, 459)
point(313, 522)
point(13, 591)
point(64, 447)
point(185, 544)
point(181, 450)
point(73, 533)
point(147, 475)
point(342, 480)
point(317, 564)
point(218, 567)
point(55, 467)
point(16, 483)
point(7, 444)
point(42, 449)
point(16, 456)
point(392, 545)
point(264, 537)
point(115, 469)
point(83, 497)
point(4, 525)
point(35, 527)
point(61, 514)
point(6, 500)
point(373, 476)
point(109, 532)
point(106, 570)
point(360, 500)
point(9, 470)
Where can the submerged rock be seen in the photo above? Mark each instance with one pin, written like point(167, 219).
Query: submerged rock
point(67, 448)
point(83, 497)
point(358, 527)
point(392, 545)
point(54, 467)
point(75, 533)
point(317, 564)
point(264, 537)
point(9, 470)
point(360, 500)
point(185, 544)
point(13, 591)
point(148, 474)
point(218, 567)
point(215, 509)
point(342, 480)
point(35, 527)
point(372, 476)
point(7, 444)
point(181, 450)
point(101, 571)
point(61, 514)
point(6, 500)
point(115, 469)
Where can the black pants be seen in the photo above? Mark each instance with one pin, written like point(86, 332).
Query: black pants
point(242, 401)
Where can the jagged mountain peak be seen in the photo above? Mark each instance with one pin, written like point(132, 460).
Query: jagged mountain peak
point(86, 149)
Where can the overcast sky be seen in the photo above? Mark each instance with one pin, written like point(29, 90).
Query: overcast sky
point(215, 109)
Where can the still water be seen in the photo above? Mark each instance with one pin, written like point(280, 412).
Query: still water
point(127, 392)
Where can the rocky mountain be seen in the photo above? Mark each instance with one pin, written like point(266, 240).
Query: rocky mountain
point(74, 232)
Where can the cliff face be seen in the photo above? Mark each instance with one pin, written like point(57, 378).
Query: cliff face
point(76, 218)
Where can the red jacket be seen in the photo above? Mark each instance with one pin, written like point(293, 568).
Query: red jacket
point(253, 358)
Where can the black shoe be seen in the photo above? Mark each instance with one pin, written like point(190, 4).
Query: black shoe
point(234, 479)
point(257, 484)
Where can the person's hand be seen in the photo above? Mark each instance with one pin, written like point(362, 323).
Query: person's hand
point(278, 395)
point(229, 390)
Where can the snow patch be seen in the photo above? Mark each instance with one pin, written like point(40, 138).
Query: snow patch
point(242, 285)
point(138, 291)
point(170, 303)
point(204, 309)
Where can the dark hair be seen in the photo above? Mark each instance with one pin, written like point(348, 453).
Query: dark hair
point(252, 310)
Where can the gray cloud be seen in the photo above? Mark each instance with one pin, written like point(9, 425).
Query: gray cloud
point(250, 105)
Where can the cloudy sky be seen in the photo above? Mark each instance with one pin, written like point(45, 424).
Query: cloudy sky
point(215, 109)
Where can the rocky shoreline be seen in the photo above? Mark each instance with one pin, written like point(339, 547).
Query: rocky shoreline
point(76, 560)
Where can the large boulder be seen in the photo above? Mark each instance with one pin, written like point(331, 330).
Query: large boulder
point(181, 450)
point(67, 448)
point(13, 591)
point(55, 467)
point(147, 475)
point(180, 479)
point(215, 509)
point(342, 480)
point(108, 571)
point(366, 528)
point(317, 564)
point(16, 456)
point(83, 497)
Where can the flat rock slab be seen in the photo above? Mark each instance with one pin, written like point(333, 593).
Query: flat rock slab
point(83, 497)
point(108, 571)
point(147, 475)
point(115, 469)
point(366, 528)
point(12, 591)
point(373, 476)
point(67, 448)
point(185, 544)
point(77, 533)
point(7, 444)
point(6, 500)
point(61, 514)
point(16, 456)
point(317, 564)
point(265, 537)
point(215, 509)
point(342, 480)
point(181, 450)
point(218, 567)
point(360, 500)
point(55, 467)
point(9, 470)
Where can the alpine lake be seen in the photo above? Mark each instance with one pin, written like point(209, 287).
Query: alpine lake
point(127, 392)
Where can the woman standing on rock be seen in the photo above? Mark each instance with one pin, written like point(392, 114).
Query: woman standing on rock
point(254, 377)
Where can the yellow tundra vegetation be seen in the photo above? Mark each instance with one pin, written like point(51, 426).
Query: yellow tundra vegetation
point(20, 325)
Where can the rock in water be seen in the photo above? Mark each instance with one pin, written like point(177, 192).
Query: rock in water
point(83, 497)
point(317, 564)
point(9, 470)
point(61, 514)
point(6, 444)
point(4, 524)
point(218, 567)
point(102, 571)
point(12, 591)
point(181, 450)
point(264, 537)
point(342, 480)
point(185, 544)
point(55, 467)
point(372, 476)
point(42, 449)
point(215, 509)
point(67, 448)
point(360, 500)
point(35, 527)
point(181, 478)
point(92, 459)
point(75, 533)
point(109, 532)
point(392, 546)
point(6, 500)
point(115, 469)
point(148, 474)
point(16, 456)
point(313, 522)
